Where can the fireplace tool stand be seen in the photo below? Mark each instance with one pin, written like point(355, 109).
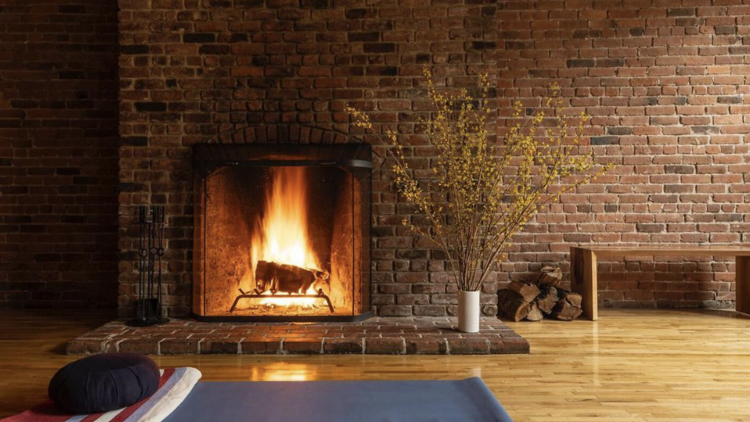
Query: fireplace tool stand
point(257, 295)
point(151, 221)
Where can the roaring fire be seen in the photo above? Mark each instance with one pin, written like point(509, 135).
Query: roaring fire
point(281, 234)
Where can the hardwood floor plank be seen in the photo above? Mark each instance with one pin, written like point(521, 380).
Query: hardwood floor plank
point(631, 365)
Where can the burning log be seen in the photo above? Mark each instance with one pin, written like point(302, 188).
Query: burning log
point(291, 279)
point(273, 277)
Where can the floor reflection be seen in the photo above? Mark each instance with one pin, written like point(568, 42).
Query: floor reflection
point(283, 371)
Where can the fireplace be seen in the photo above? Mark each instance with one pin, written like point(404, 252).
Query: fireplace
point(282, 232)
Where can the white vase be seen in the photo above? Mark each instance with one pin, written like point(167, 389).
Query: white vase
point(468, 311)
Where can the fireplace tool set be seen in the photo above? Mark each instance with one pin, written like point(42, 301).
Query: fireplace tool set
point(151, 221)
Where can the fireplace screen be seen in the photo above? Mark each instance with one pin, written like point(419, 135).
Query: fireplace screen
point(282, 232)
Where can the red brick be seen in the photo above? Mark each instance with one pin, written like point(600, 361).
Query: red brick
point(510, 346)
point(178, 346)
point(260, 346)
point(302, 347)
point(86, 347)
point(221, 346)
point(143, 346)
point(385, 346)
point(426, 346)
point(343, 346)
point(468, 346)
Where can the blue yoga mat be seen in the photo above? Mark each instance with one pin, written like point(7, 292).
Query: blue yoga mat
point(466, 400)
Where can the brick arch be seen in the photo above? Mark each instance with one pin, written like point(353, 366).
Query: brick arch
point(282, 133)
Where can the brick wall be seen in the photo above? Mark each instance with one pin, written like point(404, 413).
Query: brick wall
point(58, 153)
point(664, 79)
point(193, 71)
point(666, 82)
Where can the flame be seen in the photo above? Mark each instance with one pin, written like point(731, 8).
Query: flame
point(281, 234)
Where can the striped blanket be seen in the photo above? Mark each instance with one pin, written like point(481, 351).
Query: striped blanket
point(174, 386)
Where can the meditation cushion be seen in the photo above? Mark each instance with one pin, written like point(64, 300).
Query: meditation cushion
point(105, 382)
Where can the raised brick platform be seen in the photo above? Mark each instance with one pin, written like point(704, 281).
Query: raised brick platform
point(391, 336)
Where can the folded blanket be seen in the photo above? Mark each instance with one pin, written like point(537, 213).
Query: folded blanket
point(174, 386)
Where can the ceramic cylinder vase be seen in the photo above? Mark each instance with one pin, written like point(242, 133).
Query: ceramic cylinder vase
point(468, 311)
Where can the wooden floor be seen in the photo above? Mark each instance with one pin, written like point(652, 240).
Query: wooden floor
point(634, 365)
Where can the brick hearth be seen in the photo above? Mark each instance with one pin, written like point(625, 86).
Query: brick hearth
point(396, 336)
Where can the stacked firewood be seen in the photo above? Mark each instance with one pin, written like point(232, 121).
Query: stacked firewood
point(533, 300)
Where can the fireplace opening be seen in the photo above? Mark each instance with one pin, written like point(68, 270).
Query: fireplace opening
point(282, 232)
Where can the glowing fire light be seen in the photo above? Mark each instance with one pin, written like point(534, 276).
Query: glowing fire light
point(281, 233)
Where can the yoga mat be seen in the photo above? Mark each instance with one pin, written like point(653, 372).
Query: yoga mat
point(466, 400)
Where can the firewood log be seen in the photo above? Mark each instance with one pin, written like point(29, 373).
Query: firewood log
point(564, 311)
point(512, 305)
point(547, 299)
point(568, 307)
point(574, 298)
point(285, 278)
point(549, 276)
point(528, 290)
point(534, 313)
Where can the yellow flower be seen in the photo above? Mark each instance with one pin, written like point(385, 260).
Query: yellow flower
point(478, 194)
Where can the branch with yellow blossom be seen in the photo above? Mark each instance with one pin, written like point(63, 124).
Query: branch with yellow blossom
point(490, 190)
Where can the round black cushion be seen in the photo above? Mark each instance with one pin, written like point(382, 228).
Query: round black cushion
point(105, 382)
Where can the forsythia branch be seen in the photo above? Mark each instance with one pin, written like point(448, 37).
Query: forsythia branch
point(490, 190)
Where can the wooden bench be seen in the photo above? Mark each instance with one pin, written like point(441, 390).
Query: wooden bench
point(583, 278)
